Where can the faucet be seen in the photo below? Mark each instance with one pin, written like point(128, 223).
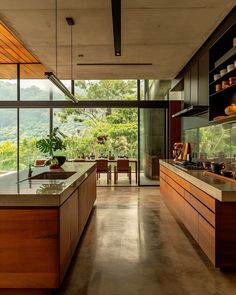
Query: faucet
point(30, 171)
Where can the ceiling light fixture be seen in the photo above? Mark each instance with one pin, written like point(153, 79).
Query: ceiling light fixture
point(116, 19)
point(53, 78)
point(57, 82)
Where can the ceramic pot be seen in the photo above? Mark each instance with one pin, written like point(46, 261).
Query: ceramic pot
point(217, 167)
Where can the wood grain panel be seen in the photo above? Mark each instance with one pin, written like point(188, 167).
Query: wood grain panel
point(203, 197)
point(202, 209)
point(25, 292)
point(14, 46)
point(191, 220)
point(206, 238)
point(226, 234)
point(32, 236)
point(68, 232)
point(174, 200)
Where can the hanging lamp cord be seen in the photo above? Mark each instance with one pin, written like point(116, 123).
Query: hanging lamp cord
point(56, 33)
point(71, 52)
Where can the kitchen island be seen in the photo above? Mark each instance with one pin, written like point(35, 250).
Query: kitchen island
point(41, 221)
point(206, 206)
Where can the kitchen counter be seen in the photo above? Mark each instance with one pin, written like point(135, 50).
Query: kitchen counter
point(16, 189)
point(42, 221)
point(206, 206)
point(219, 189)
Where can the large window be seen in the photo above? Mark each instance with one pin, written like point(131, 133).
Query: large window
point(106, 89)
point(8, 82)
point(8, 140)
point(34, 124)
point(99, 131)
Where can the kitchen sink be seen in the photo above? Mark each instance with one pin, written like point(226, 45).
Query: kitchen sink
point(53, 175)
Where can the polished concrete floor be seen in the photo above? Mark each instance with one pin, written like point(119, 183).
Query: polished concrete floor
point(133, 245)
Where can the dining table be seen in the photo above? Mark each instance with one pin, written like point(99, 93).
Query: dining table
point(131, 160)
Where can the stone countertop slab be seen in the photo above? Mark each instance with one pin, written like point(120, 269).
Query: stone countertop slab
point(219, 189)
point(16, 190)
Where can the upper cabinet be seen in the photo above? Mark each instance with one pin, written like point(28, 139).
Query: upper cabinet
point(196, 83)
point(222, 76)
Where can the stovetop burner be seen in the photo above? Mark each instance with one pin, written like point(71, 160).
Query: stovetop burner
point(189, 165)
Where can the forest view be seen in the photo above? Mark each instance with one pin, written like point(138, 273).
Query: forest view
point(82, 127)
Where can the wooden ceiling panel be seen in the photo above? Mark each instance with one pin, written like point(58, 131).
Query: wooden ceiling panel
point(14, 48)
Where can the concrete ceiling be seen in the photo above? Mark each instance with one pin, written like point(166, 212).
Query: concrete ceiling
point(165, 33)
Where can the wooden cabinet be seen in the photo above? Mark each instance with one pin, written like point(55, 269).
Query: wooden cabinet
point(211, 223)
point(68, 231)
point(37, 244)
point(206, 239)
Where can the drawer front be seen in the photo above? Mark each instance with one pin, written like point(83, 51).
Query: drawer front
point(174, 200)
point(191, 220)
point(202, 209)
point(203, 197)
point(206, 238)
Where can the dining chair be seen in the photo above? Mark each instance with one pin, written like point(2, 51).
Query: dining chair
point(103, 167)
point(122, 166)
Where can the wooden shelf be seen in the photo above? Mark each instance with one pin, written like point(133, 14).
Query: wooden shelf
point(224, 91)
point(226, 76)
point(226, 120)
point(227, 58)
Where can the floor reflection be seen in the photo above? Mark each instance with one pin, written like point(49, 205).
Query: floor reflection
point(133, 245)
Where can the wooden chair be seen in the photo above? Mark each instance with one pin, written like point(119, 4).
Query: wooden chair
point(122, 167)
point(39, 162)
point(103, 167)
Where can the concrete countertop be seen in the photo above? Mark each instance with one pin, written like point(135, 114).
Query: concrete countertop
point(219, 189)
point(16, 190)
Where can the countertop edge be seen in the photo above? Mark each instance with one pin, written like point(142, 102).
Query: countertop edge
point(216, 193)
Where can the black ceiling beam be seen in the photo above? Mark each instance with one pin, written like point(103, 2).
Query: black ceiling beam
point(116, 19)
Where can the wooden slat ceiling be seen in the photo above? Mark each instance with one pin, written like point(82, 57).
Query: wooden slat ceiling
point(13, 51)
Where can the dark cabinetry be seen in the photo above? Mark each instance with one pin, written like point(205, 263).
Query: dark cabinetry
point(222, 92)
point(196, 83)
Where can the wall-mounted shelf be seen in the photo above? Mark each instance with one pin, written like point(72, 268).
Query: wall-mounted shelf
point(226, 120)
point(224, 91)
point(226, 59)
point(222, 54)
point(226, 76)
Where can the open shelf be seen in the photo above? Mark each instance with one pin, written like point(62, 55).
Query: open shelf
point(224, 91)
point(221, 54)
point(226, 59)
point(226, 76)
point(228, 119)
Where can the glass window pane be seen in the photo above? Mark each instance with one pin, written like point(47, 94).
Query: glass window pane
point(83, 128)
point(8, 82)
point(34, 124)
point(33, 83)
point(152, 144)
point(106, 89)
point(57, 93)
point(8, 140)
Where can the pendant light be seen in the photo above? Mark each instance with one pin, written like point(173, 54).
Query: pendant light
point(50, 75)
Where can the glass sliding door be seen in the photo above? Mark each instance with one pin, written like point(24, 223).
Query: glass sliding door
point(152, 144)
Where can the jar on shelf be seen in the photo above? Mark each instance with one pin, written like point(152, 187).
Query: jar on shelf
point(232, 80)
point(225, 84)
point(218, 87)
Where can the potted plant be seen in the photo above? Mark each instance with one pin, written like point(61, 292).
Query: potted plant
point(51, 144)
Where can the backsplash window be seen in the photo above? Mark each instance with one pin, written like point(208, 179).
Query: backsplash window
point(216, 142)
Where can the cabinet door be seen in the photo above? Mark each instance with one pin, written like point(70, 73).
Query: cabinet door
point(206, 238)
point(194, 84)
point(187, 87)
point(191, 220)
point(203, 88)
point(68, 231)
